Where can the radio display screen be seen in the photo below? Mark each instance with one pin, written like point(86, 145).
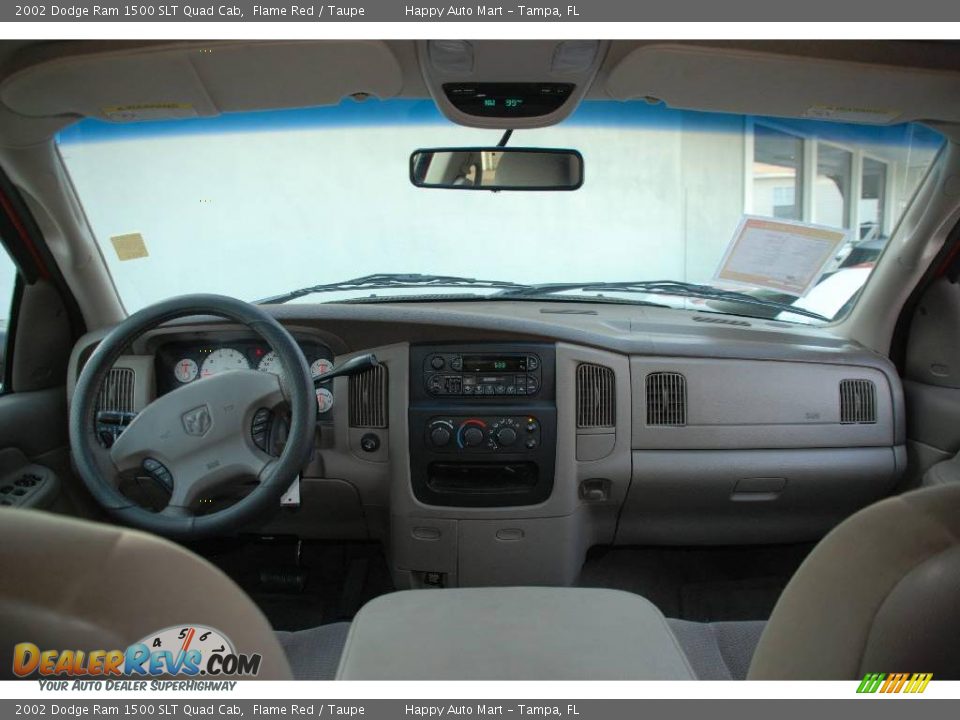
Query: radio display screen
point(493, 363)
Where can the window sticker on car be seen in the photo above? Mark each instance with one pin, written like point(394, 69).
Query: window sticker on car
point(129, 247)
point(839, 113)
point(148, 111)
point(787, 257)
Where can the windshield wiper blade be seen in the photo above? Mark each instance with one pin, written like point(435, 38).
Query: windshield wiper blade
point(381, 281)
point(661, 287)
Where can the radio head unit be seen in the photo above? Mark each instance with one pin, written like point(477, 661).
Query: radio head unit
point(474, 374)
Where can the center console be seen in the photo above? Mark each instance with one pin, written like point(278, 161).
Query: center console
point(482, 424)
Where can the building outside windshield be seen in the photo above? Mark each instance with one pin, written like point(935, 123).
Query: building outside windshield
point(256, 204)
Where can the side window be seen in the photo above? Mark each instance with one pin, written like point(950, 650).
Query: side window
point(8, 279)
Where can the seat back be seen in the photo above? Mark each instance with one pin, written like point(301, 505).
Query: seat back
point(78, 585)
point(880, 593)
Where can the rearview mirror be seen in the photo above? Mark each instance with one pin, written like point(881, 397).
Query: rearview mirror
point(497, 168)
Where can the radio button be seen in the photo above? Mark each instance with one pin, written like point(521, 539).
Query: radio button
point(436, 362)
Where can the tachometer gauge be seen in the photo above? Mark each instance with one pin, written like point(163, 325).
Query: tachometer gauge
point(321, 366)
point(324, 400)
point(270, 363)
point(186, 370)
point(223, 360)
point(179, 639)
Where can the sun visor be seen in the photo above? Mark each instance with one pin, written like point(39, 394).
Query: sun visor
point(747, 82)
point(200, 80)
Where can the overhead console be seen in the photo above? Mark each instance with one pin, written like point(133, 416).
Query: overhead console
point(507, 100)
point(502, 84)
point(482, 424)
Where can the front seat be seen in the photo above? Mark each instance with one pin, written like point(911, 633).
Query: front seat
point(879, 594)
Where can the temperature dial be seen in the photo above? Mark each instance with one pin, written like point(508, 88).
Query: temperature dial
point(472, 436)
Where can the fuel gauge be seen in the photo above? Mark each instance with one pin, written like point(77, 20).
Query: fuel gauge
point(324, 400)
point(186, 370)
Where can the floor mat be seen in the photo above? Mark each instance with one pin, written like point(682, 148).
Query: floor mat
point(751, 599)
point(702, 584)
point(306, 584)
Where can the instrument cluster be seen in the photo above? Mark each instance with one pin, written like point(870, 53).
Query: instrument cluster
point(182, 363)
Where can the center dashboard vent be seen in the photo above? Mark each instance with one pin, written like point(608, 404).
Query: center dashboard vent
point(666, 399)
point(116, 393)
point(596, 396)
point(368, 398)
point(858, 402)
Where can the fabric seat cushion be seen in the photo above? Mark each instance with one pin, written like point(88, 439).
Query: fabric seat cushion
point(314, 654)
point(719, 650)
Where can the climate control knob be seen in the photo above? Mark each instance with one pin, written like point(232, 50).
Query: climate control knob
point(472, 436)
point(506, 436)
point(440, 436)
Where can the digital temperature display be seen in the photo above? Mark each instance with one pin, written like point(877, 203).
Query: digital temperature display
point(490, 363)
point(508, 99)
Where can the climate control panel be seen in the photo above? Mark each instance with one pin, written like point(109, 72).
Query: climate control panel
point(483, 423)
point(483, 434)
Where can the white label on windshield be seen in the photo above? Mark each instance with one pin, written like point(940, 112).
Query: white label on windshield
point(148, 111)
point(839, 113)
point(779, 255)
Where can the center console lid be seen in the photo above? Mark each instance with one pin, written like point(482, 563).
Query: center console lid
point(514, 633)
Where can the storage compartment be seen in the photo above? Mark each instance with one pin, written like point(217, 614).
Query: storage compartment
point(719, 497)
point(482, 478)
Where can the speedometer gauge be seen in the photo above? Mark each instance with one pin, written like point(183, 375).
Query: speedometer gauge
point(223, 360)
point(186, 370)
point(270, 363)
point(321, 366)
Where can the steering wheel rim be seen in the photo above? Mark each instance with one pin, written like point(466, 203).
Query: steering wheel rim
point(276, 474)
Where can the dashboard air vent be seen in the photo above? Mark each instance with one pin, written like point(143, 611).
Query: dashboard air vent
point(116, 393)
point(666, 399)
point(858, 401)
point(596, 396)
point(368, 398)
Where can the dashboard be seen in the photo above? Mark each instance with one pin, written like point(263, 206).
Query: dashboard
point(496, 442)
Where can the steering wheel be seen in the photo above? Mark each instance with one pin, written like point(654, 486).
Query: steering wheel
point(201, 434)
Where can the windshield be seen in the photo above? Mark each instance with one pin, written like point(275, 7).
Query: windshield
point(255, 205)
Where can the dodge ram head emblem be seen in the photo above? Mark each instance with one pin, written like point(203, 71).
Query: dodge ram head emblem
point(197, 421)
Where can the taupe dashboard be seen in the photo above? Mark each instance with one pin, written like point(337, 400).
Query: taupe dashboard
point(644, 425)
